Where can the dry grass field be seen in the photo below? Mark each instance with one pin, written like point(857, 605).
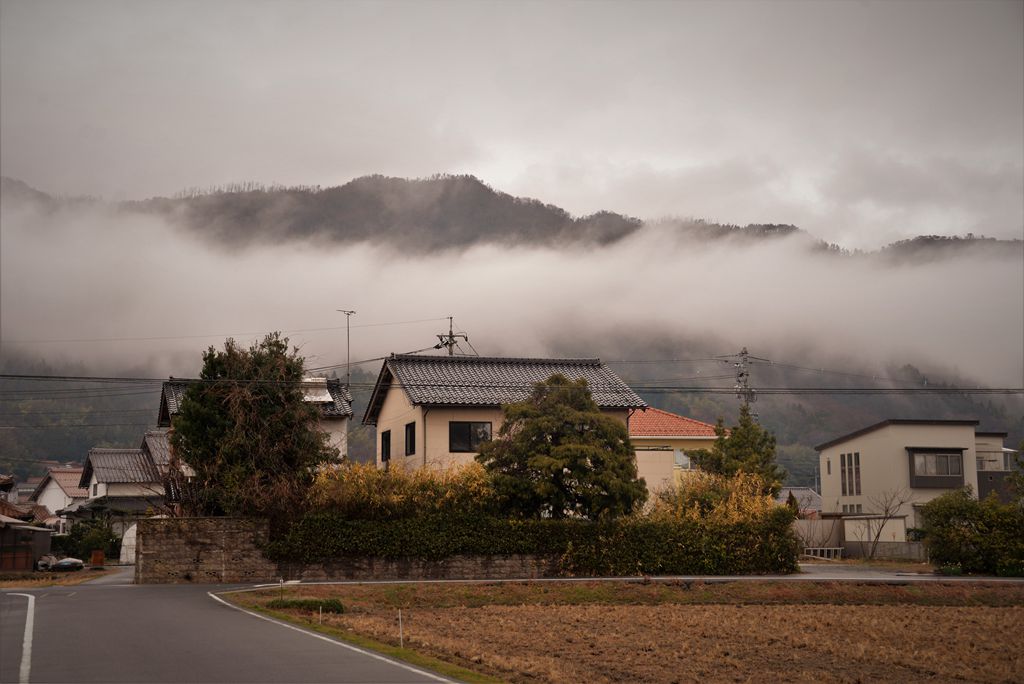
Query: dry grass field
point(614, 632)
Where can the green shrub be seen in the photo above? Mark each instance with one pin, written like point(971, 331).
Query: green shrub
point(85, 537)
point(977, 536)
point(313, 605)
point(627, 546)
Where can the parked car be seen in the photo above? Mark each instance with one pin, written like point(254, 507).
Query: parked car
point(67, 565)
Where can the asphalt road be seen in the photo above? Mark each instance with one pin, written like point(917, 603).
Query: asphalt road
point(110, 632)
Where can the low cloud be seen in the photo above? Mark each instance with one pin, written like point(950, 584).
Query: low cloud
point(95, 273)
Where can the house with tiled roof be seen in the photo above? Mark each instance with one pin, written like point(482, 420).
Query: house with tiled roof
point(123, 484)
point(59, 489)
point(330, 396)
point(435, 411)
point(662, 441)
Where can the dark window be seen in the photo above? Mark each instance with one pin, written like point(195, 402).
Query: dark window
point(842, 471)
point(385, 445)
point(410, 439)
point(856, 474)
point(936, 468)
point(467, 437)
point(95, 489)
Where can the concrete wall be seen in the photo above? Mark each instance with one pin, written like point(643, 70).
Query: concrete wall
point(820, 532)
point(885, 465)
point(227, 550)
point(864, 529)
point(909, 551)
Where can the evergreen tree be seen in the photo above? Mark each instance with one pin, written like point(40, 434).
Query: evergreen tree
point(557, 454)
point(747, 447)
point(247, 432)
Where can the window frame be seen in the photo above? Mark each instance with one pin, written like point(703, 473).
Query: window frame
point(936, 467)
point(385, 446)
point(410, 438)
point(473, 439)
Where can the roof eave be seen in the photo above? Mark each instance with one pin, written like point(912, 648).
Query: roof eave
point(892, 421)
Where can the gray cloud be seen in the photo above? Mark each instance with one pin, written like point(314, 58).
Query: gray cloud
point(739, 111)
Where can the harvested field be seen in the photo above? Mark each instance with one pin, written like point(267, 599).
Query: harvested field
point(740, 632)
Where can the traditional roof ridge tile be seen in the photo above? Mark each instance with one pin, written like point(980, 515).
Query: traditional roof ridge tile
point(655, 422)
point(488, 381)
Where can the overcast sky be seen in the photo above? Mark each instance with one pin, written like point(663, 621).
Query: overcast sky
point(862, 122)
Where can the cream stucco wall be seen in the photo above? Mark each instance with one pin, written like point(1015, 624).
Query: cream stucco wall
point(656, 458)
point(885, 465)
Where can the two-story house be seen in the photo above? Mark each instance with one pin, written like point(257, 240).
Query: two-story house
point(435, 411)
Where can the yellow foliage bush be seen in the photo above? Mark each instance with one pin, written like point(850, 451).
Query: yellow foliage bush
point(727, 499)
point(361, 491)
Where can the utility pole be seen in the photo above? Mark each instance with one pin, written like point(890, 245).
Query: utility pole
point(449, 341)
point(348, 348)
point(744, 392)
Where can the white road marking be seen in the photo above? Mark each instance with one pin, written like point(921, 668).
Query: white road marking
point(371, 654)
point(26, 644)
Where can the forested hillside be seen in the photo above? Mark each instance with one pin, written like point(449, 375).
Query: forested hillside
point(452, 213)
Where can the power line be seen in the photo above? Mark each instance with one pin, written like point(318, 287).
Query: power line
point(215, 335)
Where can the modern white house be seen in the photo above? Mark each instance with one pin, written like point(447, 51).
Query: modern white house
point(58, 490)
point(917, 460)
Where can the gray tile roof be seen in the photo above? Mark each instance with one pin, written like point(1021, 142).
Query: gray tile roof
point(490, 381)
point(340, 405)
point(119, 466)
point(156, 444)
point(806, 498)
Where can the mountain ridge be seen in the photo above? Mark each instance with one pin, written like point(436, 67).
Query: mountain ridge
point(446, 212)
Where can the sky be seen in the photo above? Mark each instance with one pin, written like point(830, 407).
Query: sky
point(861, 122)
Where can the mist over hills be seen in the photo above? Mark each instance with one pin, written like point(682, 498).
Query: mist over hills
point(452, 212)
point(140, 288)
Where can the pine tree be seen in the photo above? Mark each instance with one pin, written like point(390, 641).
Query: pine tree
point(747, 448)
point(557, 454)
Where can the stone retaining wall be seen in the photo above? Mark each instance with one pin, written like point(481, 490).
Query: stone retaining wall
point(202, 550)
point(227, 550)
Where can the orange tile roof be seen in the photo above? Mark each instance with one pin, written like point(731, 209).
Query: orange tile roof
point(657, 423)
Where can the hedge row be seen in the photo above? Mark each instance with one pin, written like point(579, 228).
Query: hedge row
point(967, 535)
point(623, 547)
